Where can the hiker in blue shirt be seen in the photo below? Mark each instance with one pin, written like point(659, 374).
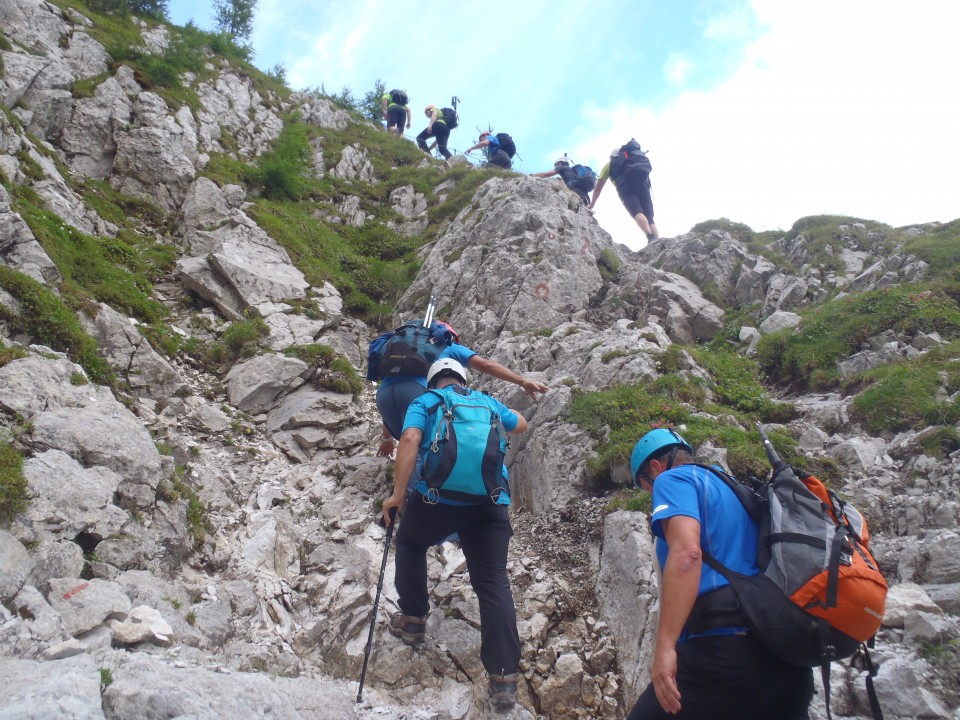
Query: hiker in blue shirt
point(397, 392)
point(490, 144)
point(706, 666)
point(428, 515)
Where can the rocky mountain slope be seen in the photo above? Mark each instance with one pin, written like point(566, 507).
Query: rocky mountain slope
point(188, 479)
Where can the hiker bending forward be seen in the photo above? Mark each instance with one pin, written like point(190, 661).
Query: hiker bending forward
point(483, 525)
point(705, 665)
point(397, 391)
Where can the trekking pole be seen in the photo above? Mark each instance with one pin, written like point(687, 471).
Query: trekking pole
point(768, 446)
point(431, 306)
point(376, 602)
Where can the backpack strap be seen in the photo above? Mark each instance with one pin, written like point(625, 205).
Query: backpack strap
point(750, 500)
point(871, 673)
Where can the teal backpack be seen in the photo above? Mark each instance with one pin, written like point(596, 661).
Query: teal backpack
point(464, 459)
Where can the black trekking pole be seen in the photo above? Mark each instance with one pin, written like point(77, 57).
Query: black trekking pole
point(768, 446)
point(376, 602)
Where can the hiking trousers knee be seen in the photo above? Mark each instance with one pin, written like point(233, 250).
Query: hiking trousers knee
point(732, 677)
point(441, 133)
point(485, 533)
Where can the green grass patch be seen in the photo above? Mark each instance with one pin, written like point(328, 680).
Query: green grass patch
point(116, 271)
point(633, 500)
point(333, 371)
point(911, 395)
point(46, 318)
point(13, 485)
point(940, 249)
point(807, 357)
point(618, 417)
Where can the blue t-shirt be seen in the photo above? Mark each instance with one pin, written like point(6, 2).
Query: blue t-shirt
point(456, 351)
point(419, 416)
point(494, 147)
point(726, 531)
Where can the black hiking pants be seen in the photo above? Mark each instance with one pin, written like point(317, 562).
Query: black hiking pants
point(441, 133)
point(732, 677)
point(485, 533)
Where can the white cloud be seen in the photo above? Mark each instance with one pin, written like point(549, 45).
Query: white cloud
point(843, 108)
point(677, 68)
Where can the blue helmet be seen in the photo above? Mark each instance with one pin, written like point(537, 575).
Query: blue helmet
point(653, 442)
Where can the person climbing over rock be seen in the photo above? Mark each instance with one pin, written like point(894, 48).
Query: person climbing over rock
point(465, 491)
point(394, 107)
point(629, 170)
point(579, 178)
point(438, 129)
point(397, 391)
point(499, 148)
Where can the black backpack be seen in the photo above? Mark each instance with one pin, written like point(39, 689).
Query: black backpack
point(407, 350)
point(398, 97)
point(629, 158)
point(449, 116)
point(586, 178)
point(507, 144)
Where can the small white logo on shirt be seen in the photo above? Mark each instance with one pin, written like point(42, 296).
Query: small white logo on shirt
point(658, 508)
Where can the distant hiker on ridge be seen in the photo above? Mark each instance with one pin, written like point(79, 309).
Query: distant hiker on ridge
point(498, 148)
point(439, 129)
point(394, 107)
point(463, 489)
point(579, 178)
point(629, 169)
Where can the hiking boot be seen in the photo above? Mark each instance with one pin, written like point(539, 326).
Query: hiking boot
point(412, 629)
point(503, 691)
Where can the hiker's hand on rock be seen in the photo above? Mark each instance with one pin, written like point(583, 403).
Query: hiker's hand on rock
point(386, 448)
point(664, 678)
point(532, 387)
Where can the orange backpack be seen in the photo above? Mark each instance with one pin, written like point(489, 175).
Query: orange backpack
point(820, 594)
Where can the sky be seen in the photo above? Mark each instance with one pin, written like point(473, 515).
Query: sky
point(759, 111)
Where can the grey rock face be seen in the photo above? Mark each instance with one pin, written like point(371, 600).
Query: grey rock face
point(256, 384)
point(19, 248)
point(15, 566)
point(61, 688)
point(86, 604)
point(128, 352)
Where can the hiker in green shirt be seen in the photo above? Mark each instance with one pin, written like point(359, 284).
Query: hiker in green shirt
point(394, 107)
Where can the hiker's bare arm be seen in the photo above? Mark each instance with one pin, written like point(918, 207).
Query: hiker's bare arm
point(521, 424)
point(386, 444)
point(681, 581)
point(495, 369)
point(383, 108)
point(409, 117)
point(406, 461)
point(547, 173)
point(482, 143)
point(596, 192)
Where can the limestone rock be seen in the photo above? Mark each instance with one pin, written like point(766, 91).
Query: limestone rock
point(86, 604)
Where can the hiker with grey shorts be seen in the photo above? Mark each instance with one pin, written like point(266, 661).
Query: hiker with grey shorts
point(472, 499)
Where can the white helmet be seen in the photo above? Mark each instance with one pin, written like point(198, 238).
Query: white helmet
point(446, 367)
point(564, 160)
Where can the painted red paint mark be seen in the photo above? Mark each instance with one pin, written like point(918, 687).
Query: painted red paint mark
point(550, 235)
point(542, 290)
point(78, 589)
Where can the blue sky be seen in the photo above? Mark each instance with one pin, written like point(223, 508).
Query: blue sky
point(761, 111)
